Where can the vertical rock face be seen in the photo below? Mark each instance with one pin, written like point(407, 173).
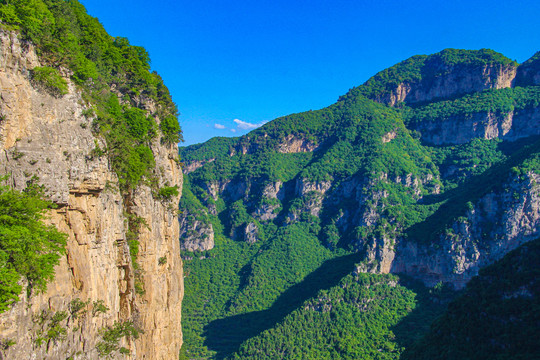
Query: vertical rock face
point(456, 80)
point(47, 140)
point(529, 72)
point(485, 125)
point(195, 234)
point(497, 224)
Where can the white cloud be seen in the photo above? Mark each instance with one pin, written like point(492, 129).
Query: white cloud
point(233, 130)
point(243, 125)
point(219, 126)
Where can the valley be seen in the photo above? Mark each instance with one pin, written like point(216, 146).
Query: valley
point(427, 172)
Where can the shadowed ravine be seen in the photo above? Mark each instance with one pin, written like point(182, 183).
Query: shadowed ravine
point(454, 201)
point(225, 335)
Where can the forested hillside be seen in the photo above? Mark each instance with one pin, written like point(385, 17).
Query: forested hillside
point(429, 171)
point(497, 316)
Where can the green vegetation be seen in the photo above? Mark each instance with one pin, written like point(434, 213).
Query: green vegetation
point(50, 79)
point(497, 317)
point(349, 134)
point(246, 288)
point(77, 307)
point(135, 223)
point(51, 323)
point(28, 247)
point(98, 307)
point(65, 35)
point(518, 159)
point(239, 278)
point(427, 68)
point(362, 317)
point(128, 132)
point(7, 343)
point(168, 192)
point(458, 163)
point(291, 294)
point(111, 336)
point(52, 327)
point(501, 101)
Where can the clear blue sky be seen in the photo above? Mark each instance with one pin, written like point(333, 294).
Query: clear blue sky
point(255, 60)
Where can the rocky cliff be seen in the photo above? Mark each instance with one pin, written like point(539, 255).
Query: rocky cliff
point(496, 224)
point(529, 72)
point(449, 73)
point(429, 169)
point(461, 129)
point(447, 100)
point(100, 301)
point(456, 80)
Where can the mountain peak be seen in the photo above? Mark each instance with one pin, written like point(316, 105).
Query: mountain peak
point(443, 75)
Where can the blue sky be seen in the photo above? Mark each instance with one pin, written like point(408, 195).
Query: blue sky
point(233, 65)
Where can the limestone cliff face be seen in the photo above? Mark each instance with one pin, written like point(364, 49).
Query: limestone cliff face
point(50, 138)
point(196, 234)
point(486, 125)
point(292, 144)
point(452, 81)
point(498, 223)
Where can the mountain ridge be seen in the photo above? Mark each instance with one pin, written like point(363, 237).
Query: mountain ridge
point(373, 176)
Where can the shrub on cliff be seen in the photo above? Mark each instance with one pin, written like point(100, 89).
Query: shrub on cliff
point(103, 67)
point(28, 247)
point(50, 79)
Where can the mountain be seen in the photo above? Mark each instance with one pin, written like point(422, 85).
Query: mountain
point(89, 150)
point(429, 171)
point(497, 316)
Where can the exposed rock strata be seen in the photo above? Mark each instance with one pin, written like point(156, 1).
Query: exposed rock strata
point(454, 81)
point(497, 224)
point(195, 234)
point(462, 129)
point(50, 138)
point(194, 165)
point(292, 144)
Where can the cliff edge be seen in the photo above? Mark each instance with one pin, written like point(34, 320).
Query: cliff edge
point(102, 302)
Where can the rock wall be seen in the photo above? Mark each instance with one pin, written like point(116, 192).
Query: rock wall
point(49, 139)
point(292, 144)
point(529, 72)
point(195, 234)
point(456, 80)
point(497, 224)
point(486, 125)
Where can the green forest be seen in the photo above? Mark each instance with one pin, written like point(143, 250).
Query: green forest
point(29, 249)
point(297, 291)
point(305, 259)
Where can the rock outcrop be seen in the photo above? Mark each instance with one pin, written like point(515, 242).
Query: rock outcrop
point(443, 80)
point(292, 144)
point(497, 224)
point(529, 72)
point(47, 139)
point(485, 125)
point(195, 234)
